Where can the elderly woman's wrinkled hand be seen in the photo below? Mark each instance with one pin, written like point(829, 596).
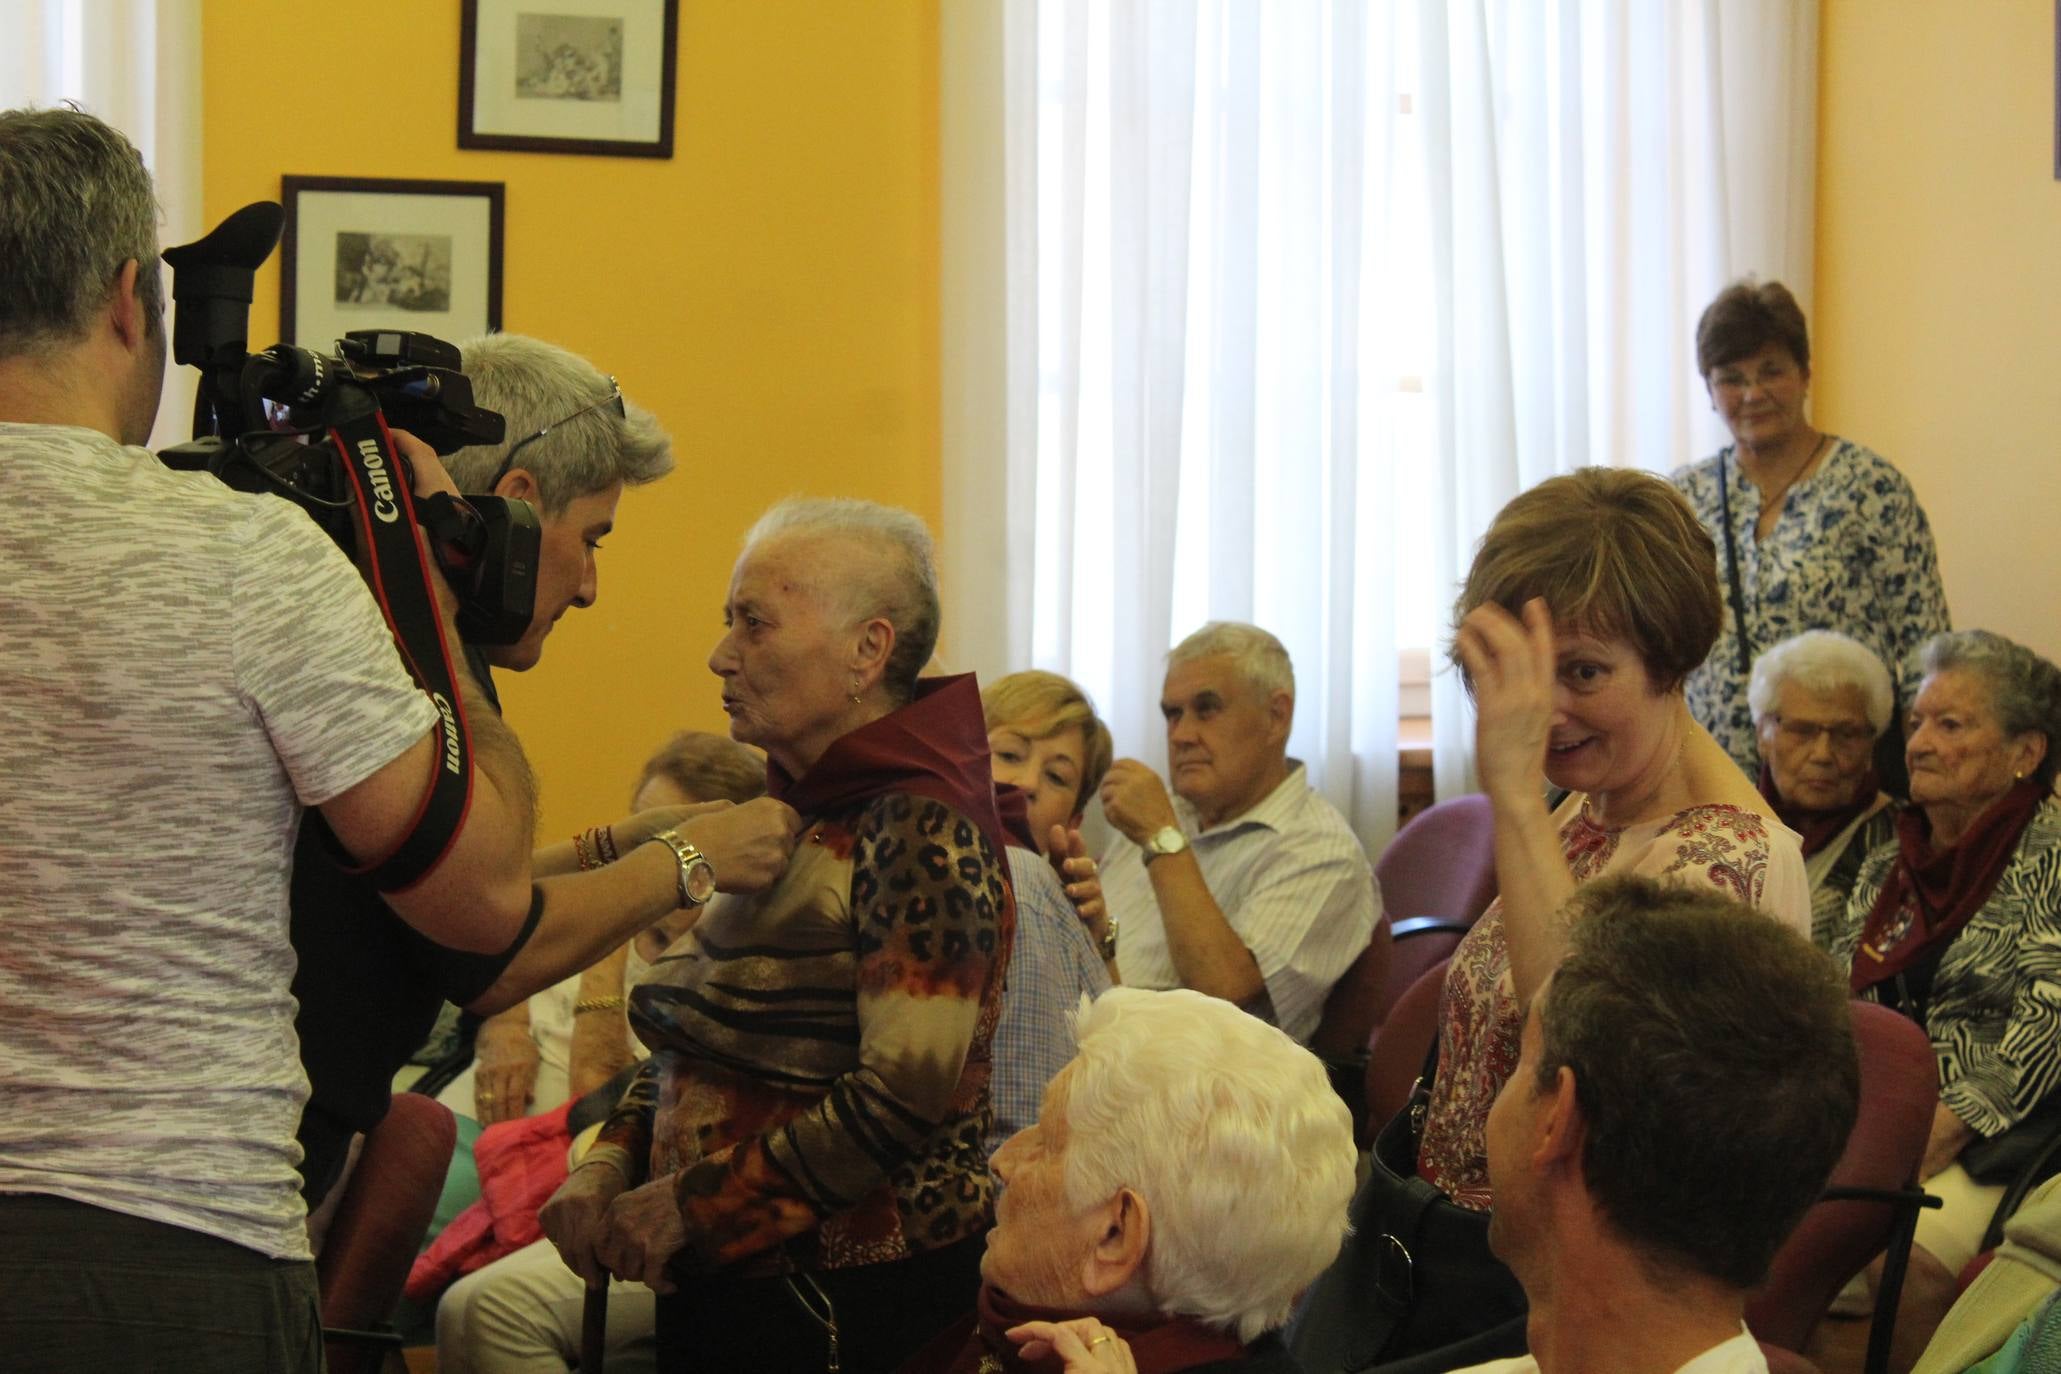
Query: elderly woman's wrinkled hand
point(1512, 665)
point(572, 1219)
point(1085, 1344)
point(1949, 1136)
point(641, 1231)
point(504, 1071)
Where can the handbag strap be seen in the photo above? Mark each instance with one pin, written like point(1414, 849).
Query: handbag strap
point(1732, 569)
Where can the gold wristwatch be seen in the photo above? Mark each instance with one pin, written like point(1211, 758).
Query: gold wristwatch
point(697, 874)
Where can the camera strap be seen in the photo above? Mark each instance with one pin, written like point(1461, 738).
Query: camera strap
point(399, 574)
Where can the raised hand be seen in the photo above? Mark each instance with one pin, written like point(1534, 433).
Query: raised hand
point(1135, 800)
point(1512, 665)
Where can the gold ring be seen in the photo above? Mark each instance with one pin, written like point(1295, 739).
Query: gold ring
point(1105, 1336)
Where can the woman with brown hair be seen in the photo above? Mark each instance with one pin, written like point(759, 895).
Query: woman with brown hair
point(1814, 532)
point(1589, 600)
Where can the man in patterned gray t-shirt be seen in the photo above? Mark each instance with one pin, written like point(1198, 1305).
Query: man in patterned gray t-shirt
point(182, 669)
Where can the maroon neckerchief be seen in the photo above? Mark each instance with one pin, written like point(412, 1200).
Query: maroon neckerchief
point(976, 1345)
point(1941, 889)
point(1818, 828)
point(1012, 803)
point(935, 747)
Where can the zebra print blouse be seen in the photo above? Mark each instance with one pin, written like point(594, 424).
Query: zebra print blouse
point(1995, 1014)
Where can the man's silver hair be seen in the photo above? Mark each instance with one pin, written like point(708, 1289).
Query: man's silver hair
point(892, 573)
point(1246, 1164)
point(2024, 688)
point(535, 384)
point(75, 204)
point(1822, 661)
point(1261, 659)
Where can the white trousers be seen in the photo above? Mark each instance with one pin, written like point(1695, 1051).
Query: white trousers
point(521, 1315)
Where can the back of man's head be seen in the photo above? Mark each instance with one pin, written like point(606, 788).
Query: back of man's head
point(75, 204)
point(586, 446)
point(1714, 1064)
point(1231, 1133)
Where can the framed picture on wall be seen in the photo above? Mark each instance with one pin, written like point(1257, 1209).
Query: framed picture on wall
point(366, 253)
point(568, 76)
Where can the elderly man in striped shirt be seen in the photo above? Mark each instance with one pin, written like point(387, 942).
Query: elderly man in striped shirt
point(1242, 882)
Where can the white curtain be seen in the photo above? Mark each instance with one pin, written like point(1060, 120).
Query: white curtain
point(1260, 311)
point(1597, 171)
point(135, 64)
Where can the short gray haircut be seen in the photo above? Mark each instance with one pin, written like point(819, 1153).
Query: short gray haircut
point(1261, 659)
point(896, 582)
point(1247, 1166)
point(535, 384)
point(2024, 689)
point(75, 204)
point(1822, 661)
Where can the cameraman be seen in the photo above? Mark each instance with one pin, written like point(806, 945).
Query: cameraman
point(182, 669)
point(369, 986)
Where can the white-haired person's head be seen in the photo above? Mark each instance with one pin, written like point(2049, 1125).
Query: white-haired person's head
point(1229, 705)
point(874, 561)
point(1258, 656)
point(1820, 700)
point(568, 425)
point(832, 613)
point(571, 445)
point(1190, 1163)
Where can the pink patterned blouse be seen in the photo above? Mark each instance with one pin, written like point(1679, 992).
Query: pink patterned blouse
point(1735, 851)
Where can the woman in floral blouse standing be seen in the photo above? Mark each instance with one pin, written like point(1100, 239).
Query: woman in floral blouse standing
point(1813, 531)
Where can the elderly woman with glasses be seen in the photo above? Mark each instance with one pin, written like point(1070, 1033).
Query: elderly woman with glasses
point(1820, 701)
point(1958, 925)
point(1813, 531)
point(799, 1170)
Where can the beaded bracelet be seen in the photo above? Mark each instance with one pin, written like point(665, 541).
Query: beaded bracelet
point(595, 848)
point(600, 1004)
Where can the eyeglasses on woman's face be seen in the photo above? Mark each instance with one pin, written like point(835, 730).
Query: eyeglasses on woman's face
point(1846, 739)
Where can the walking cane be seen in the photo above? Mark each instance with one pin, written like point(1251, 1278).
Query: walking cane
point(594, 1327)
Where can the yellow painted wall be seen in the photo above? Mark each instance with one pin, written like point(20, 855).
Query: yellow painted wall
point(1937, 333)
point(771, 293)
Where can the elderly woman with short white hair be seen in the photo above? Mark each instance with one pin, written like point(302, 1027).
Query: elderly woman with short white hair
point(1820, 701)
point(808, 1132)
point(1187, 1179)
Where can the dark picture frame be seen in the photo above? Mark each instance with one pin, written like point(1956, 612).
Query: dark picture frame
point(594, 77)
point(384, 253)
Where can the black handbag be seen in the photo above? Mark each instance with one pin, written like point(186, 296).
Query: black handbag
point(2002, 1158)
point(1414, 1288)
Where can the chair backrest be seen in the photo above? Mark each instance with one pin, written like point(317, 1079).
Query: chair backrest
point(387, 1204)
point(1397, 1054)
point(1899, 1089)
point(1420, 942)
point(1357, 1000)
point(1443, 863)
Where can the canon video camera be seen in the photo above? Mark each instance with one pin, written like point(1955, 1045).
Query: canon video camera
point(312, 427)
